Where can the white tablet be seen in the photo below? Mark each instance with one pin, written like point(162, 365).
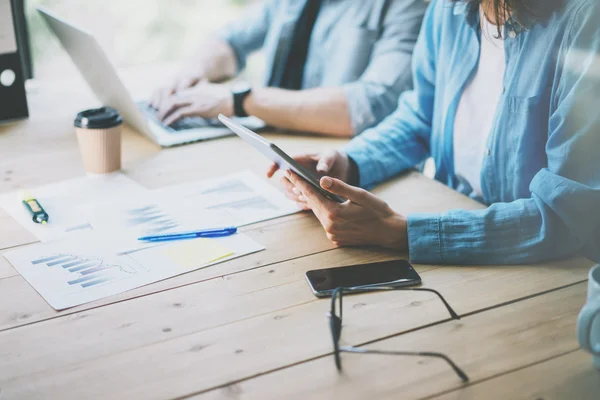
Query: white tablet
point(278, 156)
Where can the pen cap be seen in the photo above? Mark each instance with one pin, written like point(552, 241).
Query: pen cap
point(99, 136)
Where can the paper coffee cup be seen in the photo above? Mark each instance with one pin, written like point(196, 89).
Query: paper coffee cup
point(99, 136)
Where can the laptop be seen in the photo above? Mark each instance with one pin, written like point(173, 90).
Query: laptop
point(104, 81)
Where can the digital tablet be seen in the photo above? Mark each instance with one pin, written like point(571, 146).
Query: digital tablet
point(278, 156)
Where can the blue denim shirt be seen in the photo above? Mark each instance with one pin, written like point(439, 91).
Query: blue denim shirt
point(363, 46)
point(541, 174)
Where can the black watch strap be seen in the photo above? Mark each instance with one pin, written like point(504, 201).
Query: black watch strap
point(238, 102)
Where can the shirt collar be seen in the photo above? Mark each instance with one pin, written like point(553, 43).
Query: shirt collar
point(470, 12)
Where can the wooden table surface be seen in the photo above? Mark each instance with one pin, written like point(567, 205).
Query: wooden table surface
point(250, 328)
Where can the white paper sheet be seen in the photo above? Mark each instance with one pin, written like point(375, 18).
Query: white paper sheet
point(83, 269)
point(63, 201)
point(234, 200)
point(149, 214)
point(8, 42)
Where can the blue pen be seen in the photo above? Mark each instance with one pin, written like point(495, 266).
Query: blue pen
point(207, 233)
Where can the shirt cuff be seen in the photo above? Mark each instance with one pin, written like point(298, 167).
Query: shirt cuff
point(424, 239)
point(366, 169)
point(359, 106)
point(238, 51)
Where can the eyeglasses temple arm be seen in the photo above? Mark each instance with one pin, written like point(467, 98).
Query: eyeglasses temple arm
point(453, 313)
point(366, 289)
point(463, 376)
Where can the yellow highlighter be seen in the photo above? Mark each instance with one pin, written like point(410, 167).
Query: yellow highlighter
point(39, 216)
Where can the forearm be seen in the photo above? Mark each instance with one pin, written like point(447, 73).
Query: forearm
point(322, 110)
point(391, 147)
point(524, 231)
point(214, 61)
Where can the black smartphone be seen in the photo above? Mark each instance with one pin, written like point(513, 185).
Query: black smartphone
point(393, 273)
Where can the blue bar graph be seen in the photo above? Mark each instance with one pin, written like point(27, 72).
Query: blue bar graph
point(47, 259)
point(62, 260)
point(152, 218)
point(88, 284)
point(74, 263)
point(92, 270)
point(84, 266)
point(84, 279)
point(85, 271)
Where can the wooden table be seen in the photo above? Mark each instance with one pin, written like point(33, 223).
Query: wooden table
point(250, 328)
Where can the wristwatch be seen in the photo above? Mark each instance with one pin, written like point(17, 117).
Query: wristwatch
point(240, 92)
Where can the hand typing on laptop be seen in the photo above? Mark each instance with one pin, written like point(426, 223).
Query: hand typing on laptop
point(90, 59)
point(323, 74)
point(206, 100)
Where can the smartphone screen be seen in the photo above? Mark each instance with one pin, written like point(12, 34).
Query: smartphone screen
point(396, 273)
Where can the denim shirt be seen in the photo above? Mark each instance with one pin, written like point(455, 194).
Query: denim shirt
point(540, 174)
point(363, 46)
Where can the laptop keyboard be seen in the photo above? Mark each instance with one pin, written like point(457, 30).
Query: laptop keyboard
point(183, 124)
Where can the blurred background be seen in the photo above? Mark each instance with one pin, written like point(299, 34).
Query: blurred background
point(132, 32)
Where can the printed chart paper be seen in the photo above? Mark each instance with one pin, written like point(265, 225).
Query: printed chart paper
point(76, 271)
point(146, 215)
point(62, 200)
point(190, 253)
point(235, 200)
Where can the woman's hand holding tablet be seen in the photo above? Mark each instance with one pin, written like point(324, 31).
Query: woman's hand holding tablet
point(333, 164)
point(280, 158)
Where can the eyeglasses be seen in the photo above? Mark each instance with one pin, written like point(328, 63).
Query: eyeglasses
point(335, 323)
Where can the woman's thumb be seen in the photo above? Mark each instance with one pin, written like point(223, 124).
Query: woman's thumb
point(327, 162)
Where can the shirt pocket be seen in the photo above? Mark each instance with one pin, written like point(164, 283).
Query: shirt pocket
point(523, 136)
point(539, 103)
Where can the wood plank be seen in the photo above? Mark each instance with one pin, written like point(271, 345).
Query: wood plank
point(303, 230)
point(142, 160)
point(227, 155)
point(484, 345)
point(47, 138)
point(188, 310)
point(6, 270)
point(11, 233)
point(570, 376)
point(21, 304)
point(259, 341)
point(239, 319)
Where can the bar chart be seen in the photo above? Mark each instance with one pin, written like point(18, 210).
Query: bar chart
point(87, 268)
point(151, 218)
point(85, 272)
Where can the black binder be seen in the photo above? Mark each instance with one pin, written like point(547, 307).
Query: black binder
point(13, 100)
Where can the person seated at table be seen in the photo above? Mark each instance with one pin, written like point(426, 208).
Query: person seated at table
point(506, 100)
point(335, 67)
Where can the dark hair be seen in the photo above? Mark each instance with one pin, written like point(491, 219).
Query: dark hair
point(521, 11)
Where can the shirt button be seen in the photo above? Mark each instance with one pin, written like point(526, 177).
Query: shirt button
point(488, 152)
point(512, 34)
